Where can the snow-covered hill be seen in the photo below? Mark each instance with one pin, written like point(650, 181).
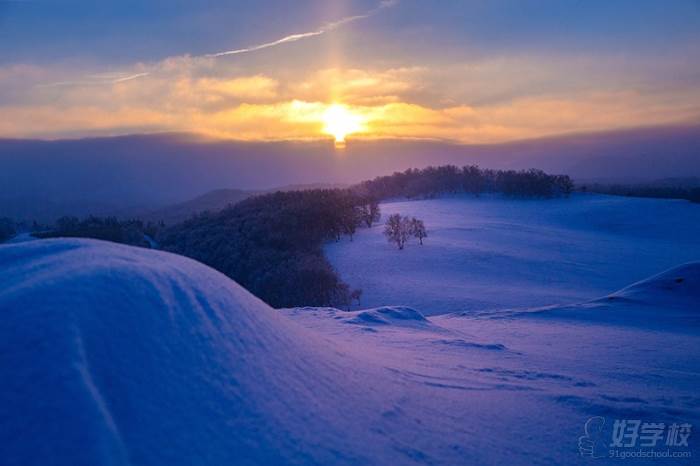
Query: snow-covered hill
point(112, 355)
point(494, 252)
point(669, 300)
point(119, 355)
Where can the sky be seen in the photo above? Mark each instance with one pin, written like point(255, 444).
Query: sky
point(470, 71)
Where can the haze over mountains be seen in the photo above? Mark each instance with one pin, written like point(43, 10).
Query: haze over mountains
point(105, 175)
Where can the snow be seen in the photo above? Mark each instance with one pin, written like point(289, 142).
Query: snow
point(120, 355)
point(20, 238)
point(494, 253)
point(670, 299)
point(113, 355)
point(676, 288)
point(387, 315)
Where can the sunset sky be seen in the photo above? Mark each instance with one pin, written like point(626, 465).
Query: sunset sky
point(471, 71)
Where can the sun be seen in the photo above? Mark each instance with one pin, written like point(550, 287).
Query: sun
point(338, 121)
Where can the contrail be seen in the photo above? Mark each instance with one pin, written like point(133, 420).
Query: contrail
point(304, 35)
point(129, 78)
point(328, 27)
point(98, 79)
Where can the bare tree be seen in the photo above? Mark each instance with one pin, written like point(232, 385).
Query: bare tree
point(350, 221)
point(356, 295)
point(370, 213)
point(374, 212)
point(418, 229)
point(397, 230)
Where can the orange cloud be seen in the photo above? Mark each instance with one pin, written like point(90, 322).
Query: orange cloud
point(480, 103)
point(251, 88)
point(358, 87)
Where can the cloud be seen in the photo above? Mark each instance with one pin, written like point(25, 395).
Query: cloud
point(169, 63)
point(182, 108)
point(249, 88)
point(305, 35)
point(359, 86)
point(50, 121)
point(491, 100)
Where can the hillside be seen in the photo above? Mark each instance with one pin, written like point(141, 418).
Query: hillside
point(147, 358)
point(144, 357)
point(538, 252)
point(213, 201)
point(675, 292)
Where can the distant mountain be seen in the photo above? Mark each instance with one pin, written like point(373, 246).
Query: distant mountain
point(163, 169)
point(682, 182)
point(46, 211)
point(214, 201)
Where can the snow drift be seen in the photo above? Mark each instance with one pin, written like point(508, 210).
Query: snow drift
point(387, 315)
point(113, 355)
point(670, 299)
point(678, 287)
point(117, 355)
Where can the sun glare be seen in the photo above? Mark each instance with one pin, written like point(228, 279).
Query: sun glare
point(338, 121)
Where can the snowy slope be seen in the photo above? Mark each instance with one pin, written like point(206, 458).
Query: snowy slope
point(669, 300)
point(537, 252)
point(20, 238)
point(112, 355)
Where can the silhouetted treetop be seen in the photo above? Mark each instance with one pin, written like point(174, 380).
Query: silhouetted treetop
point(272, 244)
point(449, 179)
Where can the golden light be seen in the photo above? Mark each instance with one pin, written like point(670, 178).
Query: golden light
point(338, 121)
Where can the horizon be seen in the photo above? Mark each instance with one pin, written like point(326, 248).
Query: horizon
point(359, 138)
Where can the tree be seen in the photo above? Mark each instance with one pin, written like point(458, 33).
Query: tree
point(418, 229)
point(356, 295)
point(472, 180)
point(564, 184)
point(349, 220)
point(7, 229)
point(67, 224)
point(272, 244)
point(694, 195)
point(397, 230)
point(370, 213)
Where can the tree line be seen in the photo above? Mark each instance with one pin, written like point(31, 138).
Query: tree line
point(449, 179)
point(691, 194)
point(272, 244)
point(7, 229)
point(133, 232)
